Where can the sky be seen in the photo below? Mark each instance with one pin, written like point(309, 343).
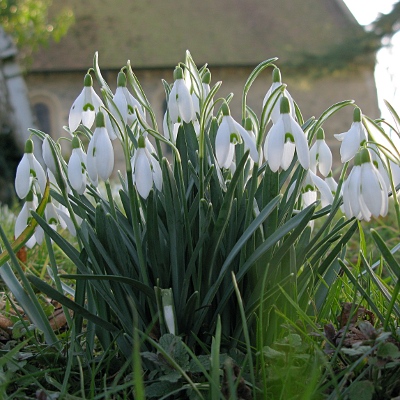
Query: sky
point(387, 71)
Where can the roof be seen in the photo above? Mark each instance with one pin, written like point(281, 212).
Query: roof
point(156, 33)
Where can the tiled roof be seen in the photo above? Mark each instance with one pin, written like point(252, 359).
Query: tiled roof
point(156, 33)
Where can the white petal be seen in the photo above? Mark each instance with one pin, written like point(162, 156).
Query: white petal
point(184, 100)
point(23, 178)
point(157, 173)
point(91, 166)
point(40, 175)
point(288, 154)
point(104, 154)
point(350, 143)
point(173, 105)
point(143, 174)
point(120, 102)
point(325, 158)
point(371, 189)
point(249, 141)
point(322, 186)
point(224, 150)
point(68, 221)
point(22, 220)
point(274, 146)
point(75, 174)
point(48, 155)
point(354, 190)
point(303, 153)
point(75, 113)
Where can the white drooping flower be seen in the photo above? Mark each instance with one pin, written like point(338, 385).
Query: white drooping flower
point(274, 106)
point(29, 173)
point(283, 139)
point(24, 218)
point(331, 182)
point(228, 135)
point(364, 191)
point(48, 156)
point(125, 103)
point(180, 104)
point(320, 155)
point(77, 167)
point(311, 186)
point(170, 130)
point(100, 153)
point(145, 169)
point(85, 106)
point(353, 139)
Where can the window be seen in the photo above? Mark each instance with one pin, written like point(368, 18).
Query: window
point(42, 114)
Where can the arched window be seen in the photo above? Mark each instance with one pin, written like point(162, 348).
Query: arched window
point(43, 118)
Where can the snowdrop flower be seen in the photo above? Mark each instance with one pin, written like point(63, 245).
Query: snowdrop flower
point(146, 170)
point(313, 183)
point(284, 137)
point(125, 103)
point(29, 172)
point(320, 155)
point(100, 154)
point(230, 133)
point(85, 106)
point(331, 182)
point(77, 167)
point(353, 139)
point(180, 103)
point(48, 155)
point(170, 130)
point(24, 218)
point(364, 191)
point(276, 83)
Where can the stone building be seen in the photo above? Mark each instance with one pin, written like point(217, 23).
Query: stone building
point(232, 36)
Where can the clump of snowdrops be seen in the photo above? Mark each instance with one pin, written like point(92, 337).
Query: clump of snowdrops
point(218, 234)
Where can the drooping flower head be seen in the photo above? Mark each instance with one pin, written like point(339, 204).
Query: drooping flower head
point(180, 103)
point(353, 139)
point(146, 169)
point(274, 107)
point(25, 216)
point(100, 154)
point(85, 106)
point(29, 173)
point(125, 103)
point(364, 191)
point(77, 167)
point(320, 155)
point(229, 134)
point(283, 139)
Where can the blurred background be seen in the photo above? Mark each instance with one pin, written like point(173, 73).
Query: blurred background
point(328, 50)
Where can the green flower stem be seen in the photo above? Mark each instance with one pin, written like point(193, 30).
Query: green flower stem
point(252, 77)
point(57, 280)
point(110, 199)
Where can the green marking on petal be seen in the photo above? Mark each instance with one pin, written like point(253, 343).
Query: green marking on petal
point(308, 188)
point(52, 221)
point(32, 172)
point(130, 109)
point(289, 137)
point(235, 138)
point(88, 106)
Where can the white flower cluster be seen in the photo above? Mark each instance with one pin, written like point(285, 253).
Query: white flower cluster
point(190, 101)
